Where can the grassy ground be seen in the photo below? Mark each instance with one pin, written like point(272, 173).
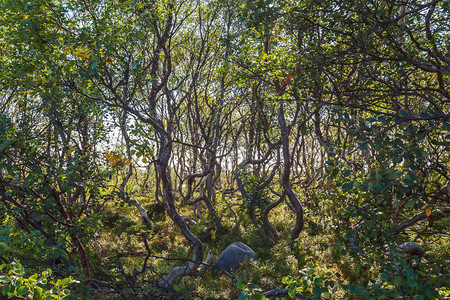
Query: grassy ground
point(123, 233)
point(119, 251)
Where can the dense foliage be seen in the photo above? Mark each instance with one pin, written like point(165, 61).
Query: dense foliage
point(138, 139)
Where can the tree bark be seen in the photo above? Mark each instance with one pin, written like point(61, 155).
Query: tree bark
point(285, 180)
point(73, 235)
point(169, 204)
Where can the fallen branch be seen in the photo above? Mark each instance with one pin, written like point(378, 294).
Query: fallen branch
point(437, 214)
point(142, 212)
point(165, 282)
point(189, 269)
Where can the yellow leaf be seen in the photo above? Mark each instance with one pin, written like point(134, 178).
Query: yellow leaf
point(425, 206)
point(69, 151)
point(82, 53)
point(144, 160)
point(428, 212)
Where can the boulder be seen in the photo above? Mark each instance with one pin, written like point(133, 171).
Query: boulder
point(233, 255)
point(412, 248)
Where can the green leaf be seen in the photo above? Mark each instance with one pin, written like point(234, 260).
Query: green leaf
point(37, 293)
point(22, 290)
point(317, 291)
point(287, 280)
point(318, 282)
point(175, 287)
point(4, 247)
point(377, 188)
point(67, 281)
point(33, 278)
point(12, 290)
point(292, 286)
point(410, 204)
point(347, 186)
point(397, 280)
point(259, 296)
point(412, 283)
point(5, 290)
point(241, 285)
point(58, 283)
point(243, 296)
point(354, 289)
point(384, 276)
point(4, 279)
point(408, 273)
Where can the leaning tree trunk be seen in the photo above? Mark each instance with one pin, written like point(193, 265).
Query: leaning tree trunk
point(79, 246)
point(285, 179)
point(169, 204)
point(142, 211)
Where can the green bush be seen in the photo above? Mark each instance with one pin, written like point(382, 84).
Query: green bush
point(15, 282)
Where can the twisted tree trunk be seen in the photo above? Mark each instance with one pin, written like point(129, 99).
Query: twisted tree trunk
point(169, 204)
point(285, 179)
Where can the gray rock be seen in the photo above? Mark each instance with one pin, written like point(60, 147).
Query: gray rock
point(233, 255)
point(412, 248)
